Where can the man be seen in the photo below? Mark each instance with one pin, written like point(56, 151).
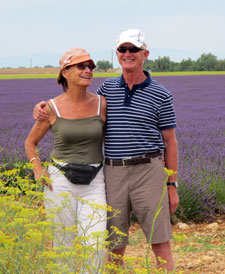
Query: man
point(140, 131)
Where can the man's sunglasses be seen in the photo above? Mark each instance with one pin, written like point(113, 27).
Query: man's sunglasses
point(83, 66)
point(132, 49)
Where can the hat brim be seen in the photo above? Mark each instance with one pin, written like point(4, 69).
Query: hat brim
point(77, 60)
point(132, 41)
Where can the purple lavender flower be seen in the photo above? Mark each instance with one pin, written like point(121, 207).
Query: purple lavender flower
point(200, 109)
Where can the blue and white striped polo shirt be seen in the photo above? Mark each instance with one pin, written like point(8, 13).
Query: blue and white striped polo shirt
point(136, 117)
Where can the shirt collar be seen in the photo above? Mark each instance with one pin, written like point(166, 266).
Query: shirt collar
point(146, 82)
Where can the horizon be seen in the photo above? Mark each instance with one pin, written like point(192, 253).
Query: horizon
point(30, 65)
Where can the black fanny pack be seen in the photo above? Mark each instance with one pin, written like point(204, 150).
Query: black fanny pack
point(79, 174)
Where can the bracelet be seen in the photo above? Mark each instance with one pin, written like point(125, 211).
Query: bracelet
point(35, 158)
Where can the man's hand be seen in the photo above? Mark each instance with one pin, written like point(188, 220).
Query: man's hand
point(39, 113)
point(173, 198)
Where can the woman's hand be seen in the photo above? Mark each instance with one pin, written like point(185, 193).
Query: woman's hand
point(43, 175)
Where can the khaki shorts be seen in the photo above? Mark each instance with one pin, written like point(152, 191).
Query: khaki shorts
point(138, 189)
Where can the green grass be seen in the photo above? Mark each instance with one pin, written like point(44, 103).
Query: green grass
point(177, 73)
point(137, 238)
point(201, 243)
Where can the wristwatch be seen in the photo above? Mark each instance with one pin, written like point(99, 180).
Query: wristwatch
point(172, 184)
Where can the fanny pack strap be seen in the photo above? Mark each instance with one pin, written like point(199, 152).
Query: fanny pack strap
point(60, 167)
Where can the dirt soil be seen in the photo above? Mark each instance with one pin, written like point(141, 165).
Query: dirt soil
point(29, 70)
point(202, 251)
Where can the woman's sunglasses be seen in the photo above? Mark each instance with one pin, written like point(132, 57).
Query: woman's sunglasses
point(83, 66)
point(132, 49)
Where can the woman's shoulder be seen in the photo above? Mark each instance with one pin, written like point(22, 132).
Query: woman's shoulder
point(98, 97)
point(51, 105)
point(58, 98)
point(92, 94)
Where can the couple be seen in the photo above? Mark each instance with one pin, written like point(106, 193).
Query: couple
point(138, 132)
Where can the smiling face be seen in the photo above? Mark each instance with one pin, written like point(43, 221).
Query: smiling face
point(79, 74)
point(132, 62)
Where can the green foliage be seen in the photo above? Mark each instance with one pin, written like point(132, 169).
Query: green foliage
point(220, 65)
point(218, 185)
point(162, 64)
point(206, 62)
point(104, 65)
point(149, 65)
point(27, 230)
point(190, 207)
point(187, 65)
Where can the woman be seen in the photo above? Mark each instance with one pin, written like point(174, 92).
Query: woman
point(76, 119)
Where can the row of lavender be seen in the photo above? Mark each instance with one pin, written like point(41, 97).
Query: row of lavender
point(200, 108)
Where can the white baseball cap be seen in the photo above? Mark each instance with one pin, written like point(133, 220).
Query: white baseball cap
point(133, 36)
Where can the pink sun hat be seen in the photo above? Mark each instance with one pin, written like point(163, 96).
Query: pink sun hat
point(74, 56)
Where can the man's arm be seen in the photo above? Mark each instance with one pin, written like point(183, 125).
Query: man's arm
point(171, 162)
point(39, 113)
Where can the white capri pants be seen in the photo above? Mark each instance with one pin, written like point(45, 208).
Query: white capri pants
point(75, 212)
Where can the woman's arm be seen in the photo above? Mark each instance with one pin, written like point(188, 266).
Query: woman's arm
point(38, 131)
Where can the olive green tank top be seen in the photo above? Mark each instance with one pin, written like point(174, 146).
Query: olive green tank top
point(78, 140)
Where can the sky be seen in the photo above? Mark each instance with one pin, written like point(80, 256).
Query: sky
point(37, 32)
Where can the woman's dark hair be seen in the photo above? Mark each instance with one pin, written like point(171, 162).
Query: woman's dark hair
point(62, 81)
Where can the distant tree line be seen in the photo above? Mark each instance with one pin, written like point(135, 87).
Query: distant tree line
point(104, 65)
point(206, 62)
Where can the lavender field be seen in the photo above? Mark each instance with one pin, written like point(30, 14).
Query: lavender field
point(200, 107)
